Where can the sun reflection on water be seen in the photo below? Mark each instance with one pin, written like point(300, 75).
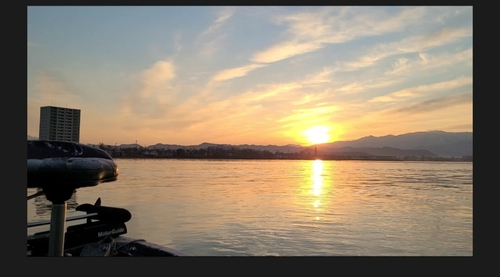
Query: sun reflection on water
point(317, 186)
point(317, 203)
point(317, 177)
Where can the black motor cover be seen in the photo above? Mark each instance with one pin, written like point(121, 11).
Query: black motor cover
point(58, 165)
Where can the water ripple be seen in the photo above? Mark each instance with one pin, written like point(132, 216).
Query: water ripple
point(292, 208)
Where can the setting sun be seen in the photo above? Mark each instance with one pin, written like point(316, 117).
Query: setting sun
point(318, 134)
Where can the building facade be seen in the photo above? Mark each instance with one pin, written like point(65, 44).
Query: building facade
point(58, 123)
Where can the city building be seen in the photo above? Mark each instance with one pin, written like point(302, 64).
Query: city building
point(58, 123)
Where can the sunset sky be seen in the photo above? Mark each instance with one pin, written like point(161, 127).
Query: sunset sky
point(252, 74)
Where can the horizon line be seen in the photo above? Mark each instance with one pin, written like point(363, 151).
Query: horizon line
point(289, 144)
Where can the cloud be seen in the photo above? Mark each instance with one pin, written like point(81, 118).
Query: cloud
point(356, 87)
point(400, 65)
point(254, 107)
point(285, 50)
point(459, 128)
point(423, 57)
point(221, 19)
point(209, 48)
point(289, 105)
point(425, 63)
point(322, 77)
point(407, 17)
point(405, 68)
point(423, 89)
point(269, 91)
point(158, 103)
point(270, 109)
point(161, 72)
point(311, 31)
point(434, 39)
point(210, 44)
point(443, 14)
point(313, 114)
point(428, 61)
point(52, 88)
point(440, 112)
point(415, 44)
point(437, 104)
point(232, 73)
point(154, 97)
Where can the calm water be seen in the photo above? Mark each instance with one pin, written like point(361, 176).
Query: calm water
point(289, 208)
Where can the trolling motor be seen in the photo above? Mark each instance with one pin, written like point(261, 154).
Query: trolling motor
point(59, 168)
point(101, 223)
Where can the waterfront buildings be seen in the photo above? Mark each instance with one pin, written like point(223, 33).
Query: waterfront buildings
point(58, 123)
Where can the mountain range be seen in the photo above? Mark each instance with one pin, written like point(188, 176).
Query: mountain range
point(444, 144)
point(419, 144)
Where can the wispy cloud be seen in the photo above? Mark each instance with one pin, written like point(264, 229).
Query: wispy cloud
point(323, 76)
point(310, 31)
point(357, 87)
point(211, 40)
point(222, 17)
point(366, 70)
point(450, 13)
point(161, 72)
point(153, 98)
point(459, 128)
point(414, 44)
point(276, 90)
point(400, 65)
point(211, 46)
point(442, 112)
point(254, 107)
point(404, 69)
point(437, 104)
point(430, 63)
point(423, 89)
point(310, 115)
point(52, 88)
point(232, 73)
point(353, 87)
point(285, 50)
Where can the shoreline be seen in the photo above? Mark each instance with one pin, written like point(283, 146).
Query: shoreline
point(374, 159)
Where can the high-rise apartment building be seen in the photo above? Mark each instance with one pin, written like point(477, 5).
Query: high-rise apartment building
point(61, 124)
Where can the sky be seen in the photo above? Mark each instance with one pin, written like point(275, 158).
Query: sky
point(251, 74)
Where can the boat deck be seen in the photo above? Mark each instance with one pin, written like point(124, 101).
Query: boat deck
point(120, 247)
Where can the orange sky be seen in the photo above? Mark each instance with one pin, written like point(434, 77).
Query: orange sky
point(251, 75)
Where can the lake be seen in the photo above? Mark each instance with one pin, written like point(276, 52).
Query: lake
point(289, 207)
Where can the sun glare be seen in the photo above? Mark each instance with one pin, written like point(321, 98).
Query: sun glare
point(318, 134)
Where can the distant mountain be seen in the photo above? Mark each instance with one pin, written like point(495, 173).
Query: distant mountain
point(418, 144)
point(289, 148)
point(444, 144)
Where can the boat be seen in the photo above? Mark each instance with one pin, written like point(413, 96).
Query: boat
point(58, 169)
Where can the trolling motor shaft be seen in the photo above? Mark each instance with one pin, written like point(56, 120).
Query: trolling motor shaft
point(59, 168)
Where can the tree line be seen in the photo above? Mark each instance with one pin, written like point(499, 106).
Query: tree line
point(246, 153)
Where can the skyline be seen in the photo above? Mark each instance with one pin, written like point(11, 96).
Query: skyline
point(251, 75)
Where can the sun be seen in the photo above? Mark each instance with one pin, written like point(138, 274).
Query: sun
point(317, 134)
